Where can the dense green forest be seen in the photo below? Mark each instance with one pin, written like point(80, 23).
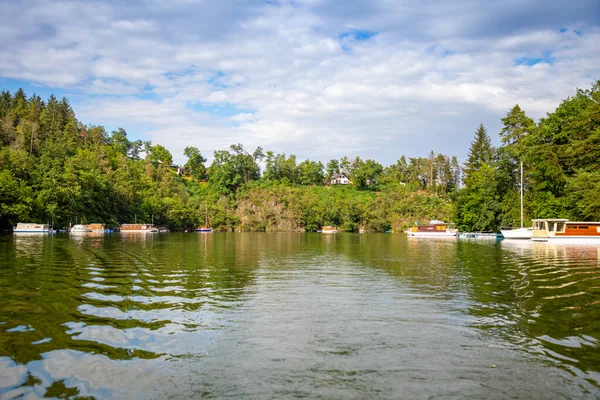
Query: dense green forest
point(55, 169)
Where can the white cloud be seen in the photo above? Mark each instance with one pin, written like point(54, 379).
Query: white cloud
point(277, 76)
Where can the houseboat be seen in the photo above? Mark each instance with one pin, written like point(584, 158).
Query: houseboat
point(565, 231)
point(434, 229)
point(80, 229)
point(138, 228)
point(329, 229)
point(28, 227)
point(96, 227)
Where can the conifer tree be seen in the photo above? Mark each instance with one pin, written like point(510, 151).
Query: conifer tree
point(480, 153)
point(516, 126)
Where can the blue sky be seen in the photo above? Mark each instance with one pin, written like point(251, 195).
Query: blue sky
point(320, 79)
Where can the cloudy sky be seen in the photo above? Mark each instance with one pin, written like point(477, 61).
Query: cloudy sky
point(317, 78)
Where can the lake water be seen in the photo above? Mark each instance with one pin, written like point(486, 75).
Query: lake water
point(287, 315)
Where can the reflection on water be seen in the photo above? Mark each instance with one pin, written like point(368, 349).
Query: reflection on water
point(296, 315)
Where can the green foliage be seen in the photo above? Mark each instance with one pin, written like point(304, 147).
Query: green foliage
point(479, 205)
point(333, 167)
point(365, 174)
point(280, 168)
point(195, 163)
point(310, 173)
point(229, 170)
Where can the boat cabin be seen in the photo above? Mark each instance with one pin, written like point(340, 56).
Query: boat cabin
point(31, 227)
point(549, 229)
point(430, 228)
point(96, 227)
point(138, 228)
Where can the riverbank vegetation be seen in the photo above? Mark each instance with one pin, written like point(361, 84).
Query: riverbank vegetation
point(55, 169)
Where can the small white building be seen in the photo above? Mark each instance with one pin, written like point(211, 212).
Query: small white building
point(340, 179)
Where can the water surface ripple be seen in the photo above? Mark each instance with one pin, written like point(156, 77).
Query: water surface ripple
point(285, 315)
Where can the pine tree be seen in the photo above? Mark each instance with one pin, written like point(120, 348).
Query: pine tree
point(480, 153)
point(516, 126)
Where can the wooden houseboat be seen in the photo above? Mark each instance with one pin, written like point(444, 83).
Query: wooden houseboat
point(434, 229)
point(28, 227)
point(565, 231)
point(138, 228)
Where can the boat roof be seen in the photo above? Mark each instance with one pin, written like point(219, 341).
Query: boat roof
point(566, 220)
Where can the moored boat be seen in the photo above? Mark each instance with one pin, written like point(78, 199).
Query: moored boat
point(96, 227)
point(329, 229)
point(29, 227)
point(479, 235)
point(565, 231)
point(207, 227)
point(80, 229)
point(138, 228)
point(519, 233)
point(434, 229)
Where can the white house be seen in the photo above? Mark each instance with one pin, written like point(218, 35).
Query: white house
point(339, 179)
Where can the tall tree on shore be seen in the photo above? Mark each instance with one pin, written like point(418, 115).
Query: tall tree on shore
point(333, 167)
point(195, 163)
point(480, 153)
point(516, 126)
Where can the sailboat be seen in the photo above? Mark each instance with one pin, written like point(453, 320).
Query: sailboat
point(520, 233)
point(207, 227)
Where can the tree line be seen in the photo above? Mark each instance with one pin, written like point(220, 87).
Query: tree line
point(54, 168)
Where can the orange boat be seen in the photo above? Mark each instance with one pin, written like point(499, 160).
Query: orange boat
point(565, 231)
point(329, 229)
point(96, 227)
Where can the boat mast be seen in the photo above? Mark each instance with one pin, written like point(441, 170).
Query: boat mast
point(521, 194)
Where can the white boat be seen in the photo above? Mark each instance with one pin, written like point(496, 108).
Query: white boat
point(80, 229)
point(563, 231)
point(28, 227)
point(207, 227)
point(434, 229)
point(519, 233)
